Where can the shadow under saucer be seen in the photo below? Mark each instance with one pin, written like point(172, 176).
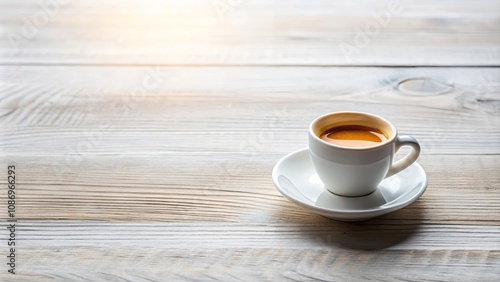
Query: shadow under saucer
point(380, 233)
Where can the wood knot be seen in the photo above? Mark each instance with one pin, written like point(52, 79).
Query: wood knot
point(424, 86)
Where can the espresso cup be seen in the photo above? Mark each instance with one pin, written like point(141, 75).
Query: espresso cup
point(356, 171)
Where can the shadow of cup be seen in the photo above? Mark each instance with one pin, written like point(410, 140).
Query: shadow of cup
point(376, 234)
point(380, 233)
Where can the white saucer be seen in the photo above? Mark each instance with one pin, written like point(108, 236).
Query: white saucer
point(294, 177)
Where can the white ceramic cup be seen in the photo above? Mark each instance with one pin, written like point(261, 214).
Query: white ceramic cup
point(356, 171)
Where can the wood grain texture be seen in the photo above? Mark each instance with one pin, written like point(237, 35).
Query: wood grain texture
point(207, 110)
point(140, 263)
point(176, 184)
point(321, 32)
point(144, 134)
point(322, 250)
point(186, 188)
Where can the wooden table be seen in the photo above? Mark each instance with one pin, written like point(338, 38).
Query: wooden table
point(143, 136)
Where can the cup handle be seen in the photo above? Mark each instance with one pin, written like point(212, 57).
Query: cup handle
point(405, 162)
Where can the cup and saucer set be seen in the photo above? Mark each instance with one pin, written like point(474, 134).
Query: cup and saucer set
point(348, 173)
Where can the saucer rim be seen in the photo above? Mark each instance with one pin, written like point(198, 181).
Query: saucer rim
point(370, 213)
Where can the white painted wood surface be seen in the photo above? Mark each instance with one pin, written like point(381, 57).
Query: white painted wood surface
point(253, 32)
point(132, 172)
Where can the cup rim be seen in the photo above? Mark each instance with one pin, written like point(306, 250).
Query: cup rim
point(382, 144)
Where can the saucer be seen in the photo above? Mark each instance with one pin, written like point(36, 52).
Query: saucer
point(294, 177)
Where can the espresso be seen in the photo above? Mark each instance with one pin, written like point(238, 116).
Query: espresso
point(353, 136)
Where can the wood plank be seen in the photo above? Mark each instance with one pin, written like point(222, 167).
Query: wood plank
point(324, 251)
point(159, 264)
point(321, 32)
point(218, 187)
point(73, 110)
point(319, 234)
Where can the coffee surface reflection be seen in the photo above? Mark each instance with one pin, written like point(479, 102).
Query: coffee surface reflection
point(353, 136)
